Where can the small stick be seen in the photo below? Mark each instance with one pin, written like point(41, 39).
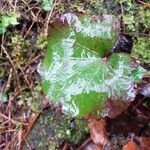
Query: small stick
point(28, 145)
point(139, 34)
point(9, 58)
point(11, 4)
point(24, 76)
point(20, 138)
point(30, 125)
point(8, 81)
point(84, 144)
point(32, 24)
point(144, 3)
point(15, 5)
point(5, 117)
point(33, 60)
point(122, 25)
point(49, 17)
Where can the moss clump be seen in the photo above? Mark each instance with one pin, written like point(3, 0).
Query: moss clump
point(31, 98)
point(141, 50)
point(89, 6)
point(54, 128)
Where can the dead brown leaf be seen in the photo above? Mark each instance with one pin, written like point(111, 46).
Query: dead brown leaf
point(131, 145)
point(90, 145)
point(98, 131)
point(145, 143)
point(93, 146)
point(115, 107)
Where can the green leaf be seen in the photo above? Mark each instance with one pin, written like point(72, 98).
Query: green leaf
point(46, 4)
point(2, 30)
point(3, 97)
point(10, 19)
point(13, 19)
point(72, 72)
point(6, 21)
point(120, 63)
point(138, 73)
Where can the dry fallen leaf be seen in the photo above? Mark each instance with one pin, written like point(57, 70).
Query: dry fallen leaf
point(145, 143)
point(89, 145)
point(145, 90)
point(130, 146)
point(98, 131)
point(93, 146)
point(115, 107)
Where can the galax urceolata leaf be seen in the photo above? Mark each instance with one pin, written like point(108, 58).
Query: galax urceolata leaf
point(73, 72)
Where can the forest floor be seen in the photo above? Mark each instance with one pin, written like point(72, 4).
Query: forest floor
point(24, 28)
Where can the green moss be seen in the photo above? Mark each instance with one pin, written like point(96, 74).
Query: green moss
point(41, 41)
point(89, 6)
point(141, 50)
point(18, 47)
point(55, 128)
point(135, 16)
point(31, 98)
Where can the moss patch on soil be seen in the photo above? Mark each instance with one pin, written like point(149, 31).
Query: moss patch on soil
point(53, 128)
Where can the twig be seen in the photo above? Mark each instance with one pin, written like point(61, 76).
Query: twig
point(144, 3)
point(138, 34)
point(17, 92)
point(31, 123)
point(33, 60)
point(11, 4)
point(7, 146)
point(24, 2)
point(3, 39)
point(146, 76)
point(9, 58)
point(15, 5)
point(24, 76)
point(8, 81)
point(8, 110)
point(28, 145)
point(32, 24)
point(48, 19)
point(84, 144)
point(65, 147)
point(139, 102)
point(9, 122)
point(122, 25)
point(20, 138)
point(7, 131)
point(2, 59)
point(5, 117)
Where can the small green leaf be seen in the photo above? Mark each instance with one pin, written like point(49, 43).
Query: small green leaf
point(6, 21)
point(46, 4)
point(13, 19)
point(3, 97)
point(138, 74)
point(122, 62)
point(10, 19)
point(2, 29)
